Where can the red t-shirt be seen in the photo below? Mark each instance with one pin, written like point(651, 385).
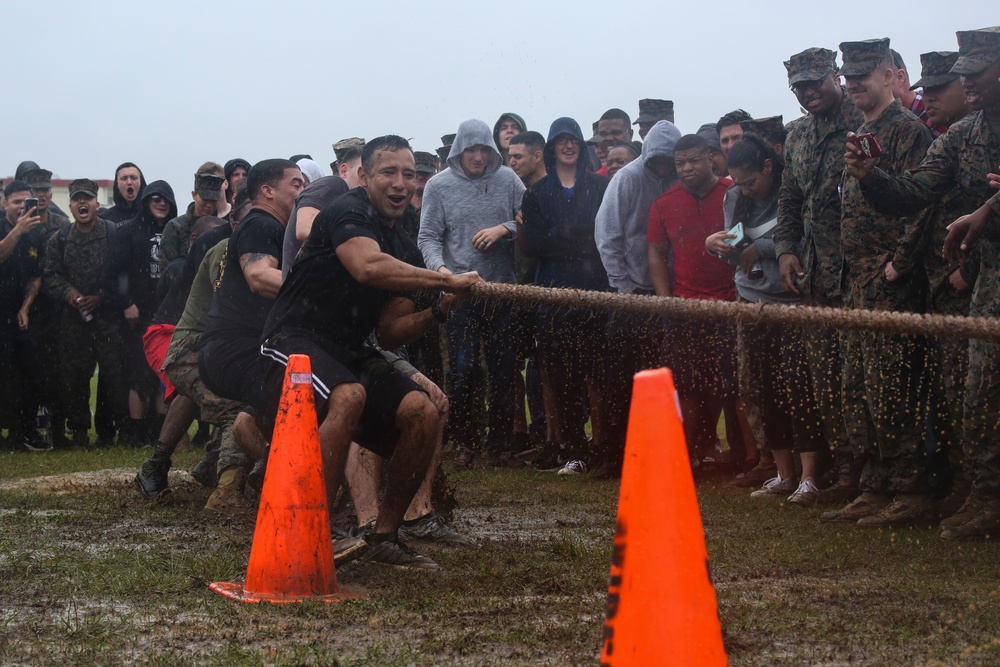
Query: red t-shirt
point(682, 222)
point(603, 171)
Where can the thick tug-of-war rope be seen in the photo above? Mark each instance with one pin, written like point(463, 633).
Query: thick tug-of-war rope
point(883, 321)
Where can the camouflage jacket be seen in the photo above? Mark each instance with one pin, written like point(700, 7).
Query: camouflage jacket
point(809, 200)
point(75, 260)
point(176, 239)
point(871, 237)
point(952, 175)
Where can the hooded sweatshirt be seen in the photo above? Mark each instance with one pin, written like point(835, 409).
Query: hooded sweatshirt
point(456, 207)
point(624, 215)
point(496, 126)
point(132, 268)
point(559, 222)
point(123, 210)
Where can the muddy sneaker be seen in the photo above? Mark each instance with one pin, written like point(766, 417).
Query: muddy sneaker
point(348, 548)
point(228, 495)
point(984, 524)
point(905, 509)
point(867, 504)
point(575, 467)
point(432, 528)
point(806, 495)
point(776, 486)
point(151, 480)
point(31, 442)
point(395, 553)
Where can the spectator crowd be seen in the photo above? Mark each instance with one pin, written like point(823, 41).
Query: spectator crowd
point(879, 197)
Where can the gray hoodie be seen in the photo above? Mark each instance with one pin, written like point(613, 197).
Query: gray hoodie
point(623, 218)
point(456, 207)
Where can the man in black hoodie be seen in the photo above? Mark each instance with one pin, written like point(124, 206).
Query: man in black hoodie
point(129, 282)
point(127, 193)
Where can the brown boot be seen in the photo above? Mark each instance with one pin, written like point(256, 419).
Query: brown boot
point(973, 503)
point(983, 524)
point(867, 504)
point(906, 509)
point(228, 495)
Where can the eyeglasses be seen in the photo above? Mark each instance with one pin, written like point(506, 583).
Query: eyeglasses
point(156, 199)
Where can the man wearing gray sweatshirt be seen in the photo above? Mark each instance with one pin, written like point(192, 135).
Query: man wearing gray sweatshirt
point(467, 224)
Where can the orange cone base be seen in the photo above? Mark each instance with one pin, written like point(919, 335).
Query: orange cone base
point(235, 591)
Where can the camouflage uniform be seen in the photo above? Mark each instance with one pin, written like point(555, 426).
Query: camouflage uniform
point(74, 261)
point(883, 375)
point(954, 174)
point(809, 219)
point(176, 238)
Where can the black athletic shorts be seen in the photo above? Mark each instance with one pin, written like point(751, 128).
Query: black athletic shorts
point(384, 384)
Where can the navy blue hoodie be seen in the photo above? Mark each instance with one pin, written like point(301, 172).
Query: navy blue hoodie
point(559, 222)
point(132, 269)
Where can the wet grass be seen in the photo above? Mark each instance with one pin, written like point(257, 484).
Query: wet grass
point(95, 577)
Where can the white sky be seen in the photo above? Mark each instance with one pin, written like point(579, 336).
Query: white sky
point(169, 85)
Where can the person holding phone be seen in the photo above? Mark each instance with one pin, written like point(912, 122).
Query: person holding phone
point(773, 370)
point(20, 279)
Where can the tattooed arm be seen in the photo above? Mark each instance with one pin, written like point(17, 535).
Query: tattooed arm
point(262, 273)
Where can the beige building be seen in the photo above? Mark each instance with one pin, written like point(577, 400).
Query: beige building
point(60, 192)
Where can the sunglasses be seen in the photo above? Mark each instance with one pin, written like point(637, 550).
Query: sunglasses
point(156, 199)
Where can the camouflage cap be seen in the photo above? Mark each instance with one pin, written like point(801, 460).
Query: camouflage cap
point(651, 111)
point(977, 50)
point(935, 69)
point(768, 129)
point(38, 178)
point(862, 58)
point(83, 186)
point(594, 140)
point(446, 141)
point(810, 65)
point(427, 163)
point(208, 186)
point(341, 147)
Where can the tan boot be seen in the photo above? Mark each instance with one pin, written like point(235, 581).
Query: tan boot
point(867, 504)
point(228, 495)
point(906, 509)
point(983, 524)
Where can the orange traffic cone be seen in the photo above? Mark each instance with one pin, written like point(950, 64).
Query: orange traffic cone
point(292, 554)
point(661, 603)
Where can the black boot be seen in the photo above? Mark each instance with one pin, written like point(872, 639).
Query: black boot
point(151, 479)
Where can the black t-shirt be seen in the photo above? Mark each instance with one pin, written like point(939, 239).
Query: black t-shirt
point(18, 270)
point(235, 310)
point(172, 305)
point(319, 297)
point(318, 194)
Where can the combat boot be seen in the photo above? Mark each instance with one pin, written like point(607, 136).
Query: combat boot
point(844, 489)
point(906, 509)
point(983, 524)
point(867, 504)
point(973, 503)
point(152, 480)
point(228, 495)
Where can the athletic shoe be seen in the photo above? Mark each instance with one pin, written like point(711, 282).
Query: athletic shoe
point(575, 467)
point(432, 528)
point(151, 480)
point(776, 486)
point(31, 442)
point(806, 495)
point(395, 553)
point(348, 548)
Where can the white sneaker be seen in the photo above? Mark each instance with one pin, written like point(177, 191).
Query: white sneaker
point(806, 495)
point(776, 486)
point(574, 467)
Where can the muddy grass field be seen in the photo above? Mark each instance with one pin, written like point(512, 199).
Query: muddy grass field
point(90, 576)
